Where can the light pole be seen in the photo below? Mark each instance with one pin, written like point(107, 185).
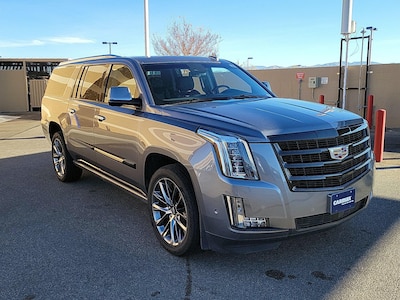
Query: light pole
point(146, 28)
point(248, 59)
point(109, 45)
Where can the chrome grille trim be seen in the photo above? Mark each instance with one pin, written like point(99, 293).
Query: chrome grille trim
point(308, 165)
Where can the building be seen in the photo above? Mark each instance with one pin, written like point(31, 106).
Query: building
point(382, 81)
point(23, 82)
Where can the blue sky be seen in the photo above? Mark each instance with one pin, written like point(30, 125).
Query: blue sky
point(284, 33)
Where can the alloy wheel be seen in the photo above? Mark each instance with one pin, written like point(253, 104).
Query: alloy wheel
point(58, 157)
point(169, 211)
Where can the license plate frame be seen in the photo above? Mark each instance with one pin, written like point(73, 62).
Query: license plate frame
point(342, 201)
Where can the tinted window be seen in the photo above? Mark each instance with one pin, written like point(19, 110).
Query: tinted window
point(92, 85)
point(120, 75)
point(59, 79)
point(224, 77)
point(176, 82)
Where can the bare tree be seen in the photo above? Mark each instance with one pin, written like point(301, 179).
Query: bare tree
point(183, 39)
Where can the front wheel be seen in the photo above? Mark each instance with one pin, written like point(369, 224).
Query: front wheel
point(62, 160)
point(173, 208)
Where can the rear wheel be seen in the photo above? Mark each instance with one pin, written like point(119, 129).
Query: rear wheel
point(62, 160)
point(173, 208)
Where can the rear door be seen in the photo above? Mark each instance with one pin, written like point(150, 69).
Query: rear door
point(82, 108)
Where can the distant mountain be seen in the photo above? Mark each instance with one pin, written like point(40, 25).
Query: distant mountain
point(332, 64)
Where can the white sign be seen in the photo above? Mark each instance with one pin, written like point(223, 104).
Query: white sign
point(324, 80)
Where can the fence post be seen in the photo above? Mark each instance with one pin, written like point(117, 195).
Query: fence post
point(379, 140)
point(321, 99)
point(370, 109)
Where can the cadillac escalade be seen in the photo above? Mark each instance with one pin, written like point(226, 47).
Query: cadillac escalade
point(222, 163)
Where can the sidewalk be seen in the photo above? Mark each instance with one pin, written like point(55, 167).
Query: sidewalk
point(12, 125)
point(21, 134)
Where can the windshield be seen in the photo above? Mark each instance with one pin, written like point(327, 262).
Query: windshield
point(174, 83)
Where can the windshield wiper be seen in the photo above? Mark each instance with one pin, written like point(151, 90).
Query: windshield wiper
point(243, 96)
point(193, 100)
point(216, 98)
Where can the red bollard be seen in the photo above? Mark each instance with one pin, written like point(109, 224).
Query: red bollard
point(321, 99)
point(379, 140)
point(370, 109)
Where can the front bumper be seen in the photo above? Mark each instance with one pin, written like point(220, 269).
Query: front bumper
point(289, 213)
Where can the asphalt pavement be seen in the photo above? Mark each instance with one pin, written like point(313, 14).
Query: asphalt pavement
point(91, 240)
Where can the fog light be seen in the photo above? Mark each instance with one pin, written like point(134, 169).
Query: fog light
point(256, 222)
point(237, 215)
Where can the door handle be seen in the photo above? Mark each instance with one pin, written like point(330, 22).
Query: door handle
point(100, 118)
point(71, 111)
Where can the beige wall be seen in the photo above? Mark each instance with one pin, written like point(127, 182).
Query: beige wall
point(384, 84)
point(13, 91)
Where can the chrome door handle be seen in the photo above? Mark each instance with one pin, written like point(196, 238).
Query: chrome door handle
point(71, 111)
point(100, 118)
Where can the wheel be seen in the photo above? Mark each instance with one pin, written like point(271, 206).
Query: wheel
point(62, 161)
point(173, 208)
point(216, 89)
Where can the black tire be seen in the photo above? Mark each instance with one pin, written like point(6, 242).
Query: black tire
point(63, 164)
point(173, 210)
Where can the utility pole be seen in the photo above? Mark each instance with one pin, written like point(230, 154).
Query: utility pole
point(348, 27)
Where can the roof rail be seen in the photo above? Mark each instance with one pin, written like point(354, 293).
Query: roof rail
point(89, 58)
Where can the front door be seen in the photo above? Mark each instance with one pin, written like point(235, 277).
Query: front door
point(116, 131)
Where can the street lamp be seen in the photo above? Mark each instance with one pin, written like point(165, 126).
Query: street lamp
point(248, 59)
point(109, 45)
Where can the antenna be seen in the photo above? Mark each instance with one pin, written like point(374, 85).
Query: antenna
point(347, 12)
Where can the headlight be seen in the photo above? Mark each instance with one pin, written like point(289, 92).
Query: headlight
point(234, 155)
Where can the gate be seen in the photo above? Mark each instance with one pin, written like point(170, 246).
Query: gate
point(37, 88)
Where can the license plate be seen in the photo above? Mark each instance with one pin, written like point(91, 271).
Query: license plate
point(341, 201)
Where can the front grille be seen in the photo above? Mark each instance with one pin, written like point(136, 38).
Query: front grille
point(308, 163)
point(311, 221)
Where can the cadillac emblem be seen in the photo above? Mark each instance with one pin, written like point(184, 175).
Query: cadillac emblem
point(340, 152)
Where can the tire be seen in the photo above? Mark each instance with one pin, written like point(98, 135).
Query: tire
point(173, 209)
point(63, 164)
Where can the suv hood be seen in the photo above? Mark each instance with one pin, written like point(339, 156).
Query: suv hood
point(258, 119)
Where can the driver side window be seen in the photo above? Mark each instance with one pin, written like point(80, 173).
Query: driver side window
point(120, 75)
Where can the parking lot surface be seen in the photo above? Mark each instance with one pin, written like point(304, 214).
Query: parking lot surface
point(90, 240)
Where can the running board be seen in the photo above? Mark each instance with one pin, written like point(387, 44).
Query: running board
point(111, 178)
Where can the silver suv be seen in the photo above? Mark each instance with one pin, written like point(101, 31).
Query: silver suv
point(222, 163)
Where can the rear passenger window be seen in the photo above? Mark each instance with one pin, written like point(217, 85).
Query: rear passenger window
point(121, 76)
point(92, 85)
point(59, 80)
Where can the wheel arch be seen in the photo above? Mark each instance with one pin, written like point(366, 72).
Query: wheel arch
point(53, 128)
point(155, 161)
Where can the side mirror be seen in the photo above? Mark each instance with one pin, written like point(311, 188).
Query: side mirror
point(267, 84)
point(120, 95)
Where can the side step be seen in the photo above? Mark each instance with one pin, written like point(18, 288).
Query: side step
point(111, 178)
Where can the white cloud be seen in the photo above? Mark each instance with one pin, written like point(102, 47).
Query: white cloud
point(37, 42)
point(70, 40)
point(14, 44)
